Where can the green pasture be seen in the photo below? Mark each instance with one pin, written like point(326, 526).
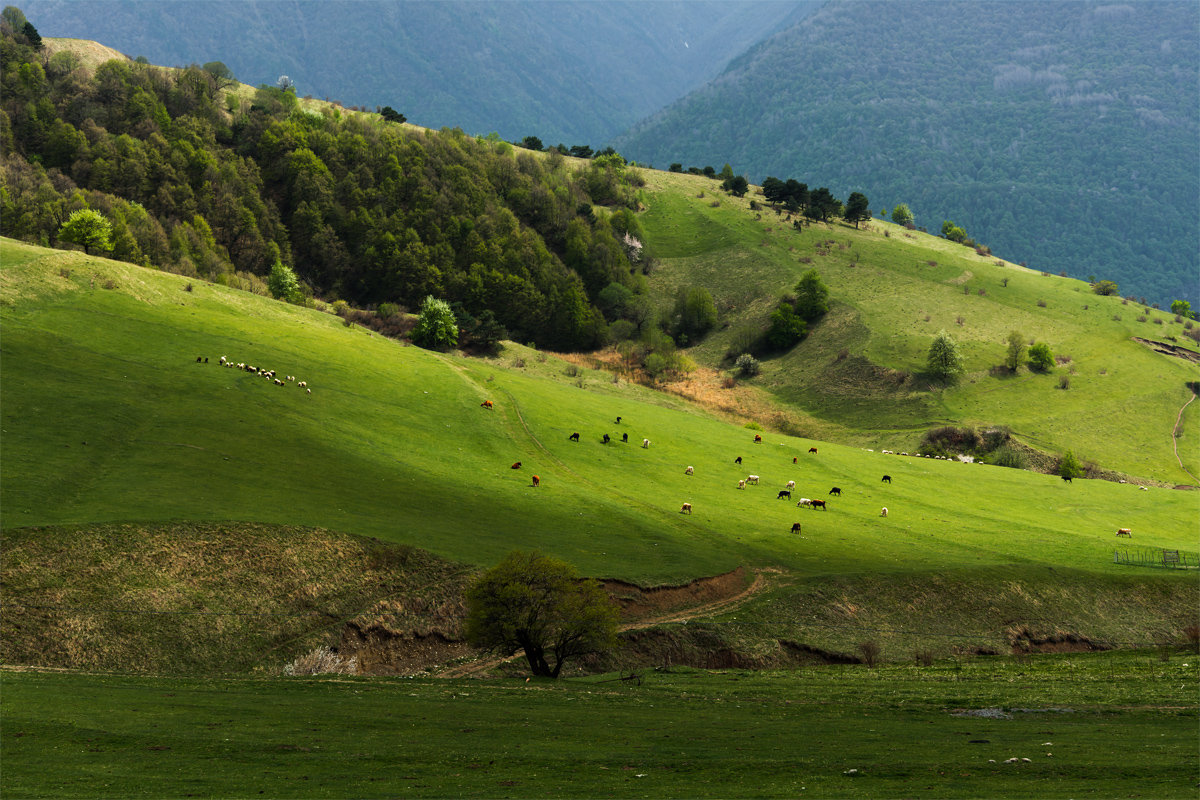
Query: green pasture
point(1099, 725)
point(107, 417)
point(892, 290)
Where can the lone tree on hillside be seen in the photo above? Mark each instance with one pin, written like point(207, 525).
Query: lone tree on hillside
point(944, 361)
point(901, 215)
point(1106, 288)
point(1015, 352)
point(540, 605)
point(436, 327)
point(1069, 467)
point(89, 229)
point(392, 115)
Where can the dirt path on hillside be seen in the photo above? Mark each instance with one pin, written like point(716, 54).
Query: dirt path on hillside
point(1175, 439)
point(763, 579)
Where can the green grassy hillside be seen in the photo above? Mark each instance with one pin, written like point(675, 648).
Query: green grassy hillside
point(891, 290)
point(108, 418)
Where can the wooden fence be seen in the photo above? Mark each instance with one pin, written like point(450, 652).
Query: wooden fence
point(1156, 557)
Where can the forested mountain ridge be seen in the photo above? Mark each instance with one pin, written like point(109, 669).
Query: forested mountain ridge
point(203, 178)
point(572, 72)
point(1061, 134)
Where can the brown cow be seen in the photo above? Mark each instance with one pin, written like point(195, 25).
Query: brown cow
point(536, 481)
point(757, 439)
point(686, 508)
point(1125, 532)
point(795, 527)
point(817, 504)
point(517, 465)
point(812, 449)
point(487, 404)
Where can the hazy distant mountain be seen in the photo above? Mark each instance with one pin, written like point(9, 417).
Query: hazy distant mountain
point(1064, 134)
point(571, 72)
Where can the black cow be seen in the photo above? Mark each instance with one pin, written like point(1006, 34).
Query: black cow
point(836, 491)
point(606, 440)
point(737, 460)
point(784, 494)
point(795, 527)
point(625, 437)
point(887, 478)
point(574, 437)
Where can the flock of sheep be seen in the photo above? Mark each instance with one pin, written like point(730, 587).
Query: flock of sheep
point(269, 374)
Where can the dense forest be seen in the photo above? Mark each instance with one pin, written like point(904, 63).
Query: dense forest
point(571, 72)
point(206, 181)
point(1062, 134)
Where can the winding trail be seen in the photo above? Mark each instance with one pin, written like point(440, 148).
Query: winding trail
point(764, 579)
point(1175, 439)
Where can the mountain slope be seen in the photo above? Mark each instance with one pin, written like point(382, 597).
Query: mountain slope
point(1060, 134)
point(573, 72)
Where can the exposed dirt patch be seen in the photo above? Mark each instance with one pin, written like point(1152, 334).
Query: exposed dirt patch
point(381, 651)
point(1022, 640)
point(638, 603)
point(1170, 349)
point(807, 654)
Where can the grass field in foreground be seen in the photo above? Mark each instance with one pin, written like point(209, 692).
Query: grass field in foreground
point(1101, 725)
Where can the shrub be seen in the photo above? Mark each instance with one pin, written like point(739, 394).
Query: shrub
point(729, 382)
point(519, 363)
point(572, 370)
point(923, 658)
point(747, 364)
point(1142, 318)
point(1040, 357)
point(1041, 303)
point(1064, 382)
point(870, 652)
point(1158, 321)
point(322, 661)
point(1008, 457)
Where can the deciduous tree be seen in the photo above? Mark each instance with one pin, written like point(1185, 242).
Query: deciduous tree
point(943, 360)
point(539, 605)
point(1015, 352)
point(435, 328)
point(901, 215)
point(87, 228)
point(1040, 357)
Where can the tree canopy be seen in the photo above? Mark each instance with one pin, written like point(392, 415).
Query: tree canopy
point(437, 327)
point(540, 606)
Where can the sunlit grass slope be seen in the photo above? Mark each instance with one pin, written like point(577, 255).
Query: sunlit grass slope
point(108, 417)
point(892, 290)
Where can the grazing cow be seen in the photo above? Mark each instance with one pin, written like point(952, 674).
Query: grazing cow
point(752, 479)
point(737, 460)
point(488, 405)
point(757, 439)
point(199, 359)
point(887, 478)
point(1125, 532)
point(688, 471)
point(686, 508)
point(741, 484)
point(812, 449)
point(625, 437)
point(784, 494)
point(795, 527)
point(606, 439)
point(1066, 478)
point(536, 481)
point(818, 504)
point(618, 420)
point(574, 437)
point(804, 501)
point(795, 460)
point(883, 511)
point(836, 491)
point(645, 442)
point(517, 465)
point(790, 485)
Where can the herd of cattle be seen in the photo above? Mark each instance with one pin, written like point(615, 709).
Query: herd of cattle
point(753, 480)
point(749, 480)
